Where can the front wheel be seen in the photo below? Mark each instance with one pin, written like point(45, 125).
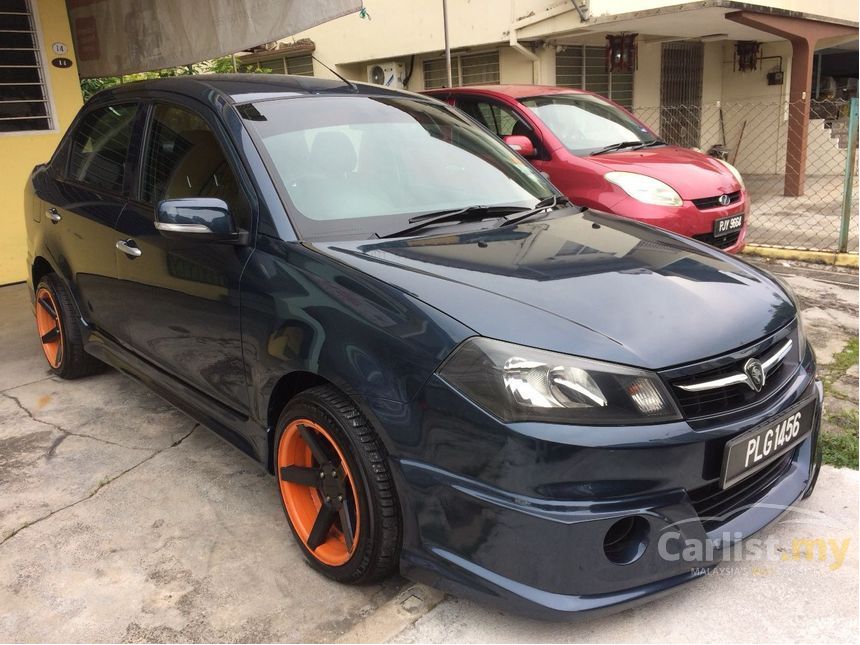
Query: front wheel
point(336, 487)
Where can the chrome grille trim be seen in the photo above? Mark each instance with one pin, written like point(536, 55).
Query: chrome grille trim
point(737, 379)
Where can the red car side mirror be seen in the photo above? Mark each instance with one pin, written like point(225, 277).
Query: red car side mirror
point(521, 144)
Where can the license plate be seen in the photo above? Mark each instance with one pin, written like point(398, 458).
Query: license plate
point(755, 449)
point(726, 225)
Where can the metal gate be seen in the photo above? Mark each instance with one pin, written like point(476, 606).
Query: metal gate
point(681, 93)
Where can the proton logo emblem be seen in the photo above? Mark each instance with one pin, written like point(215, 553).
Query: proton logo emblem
point(724, 200)
point(755, 374)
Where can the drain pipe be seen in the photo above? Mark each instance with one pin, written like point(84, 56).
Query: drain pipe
point(528, 53)
point(514, 43)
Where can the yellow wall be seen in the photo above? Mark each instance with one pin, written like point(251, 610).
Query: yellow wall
point(21, 151)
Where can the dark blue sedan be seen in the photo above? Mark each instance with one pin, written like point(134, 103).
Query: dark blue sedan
point(449, 369)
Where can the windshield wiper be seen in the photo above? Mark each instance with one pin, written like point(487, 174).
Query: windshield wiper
point(553, 201)
point(653, 142)
point(467, 214)
point(617, 146)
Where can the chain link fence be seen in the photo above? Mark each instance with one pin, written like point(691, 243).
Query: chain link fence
point(753, 136)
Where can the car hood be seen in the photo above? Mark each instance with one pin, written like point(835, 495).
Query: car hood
point(692, 174)
point(587, 284)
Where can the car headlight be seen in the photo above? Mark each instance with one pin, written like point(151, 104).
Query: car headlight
point(802, 343)
point(517, 383)
point(801, 331)
point(644, 188)
point(734, 171)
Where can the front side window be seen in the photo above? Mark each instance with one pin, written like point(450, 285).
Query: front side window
point(100, 147)
point(354, 166)
point(183, 158)
point(497, 118)
point(586, 123)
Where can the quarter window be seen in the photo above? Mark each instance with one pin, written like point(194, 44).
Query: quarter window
point(23, 96)
point(184, 159)
point(100, 147)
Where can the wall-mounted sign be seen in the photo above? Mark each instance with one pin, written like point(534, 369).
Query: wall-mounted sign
point(60, 49)
point(62, 62)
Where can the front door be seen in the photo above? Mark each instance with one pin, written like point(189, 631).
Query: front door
point(181, 296)
point(681, 93)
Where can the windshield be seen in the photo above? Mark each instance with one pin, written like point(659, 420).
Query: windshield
point(358, 165)
point(586, 123)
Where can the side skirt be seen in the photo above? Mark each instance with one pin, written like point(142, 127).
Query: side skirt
point(239, 430)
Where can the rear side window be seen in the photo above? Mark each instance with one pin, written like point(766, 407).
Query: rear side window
point(100, 147)
point(185, 159)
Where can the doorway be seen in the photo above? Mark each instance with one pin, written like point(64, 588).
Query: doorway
point(681, 93)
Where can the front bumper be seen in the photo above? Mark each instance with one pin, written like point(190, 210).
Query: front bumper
point(689, 220)
point(516, 515)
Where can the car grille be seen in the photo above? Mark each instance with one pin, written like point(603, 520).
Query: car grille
point(722, 242)
point(714, 202)
point(716, 506)
point(732, 398)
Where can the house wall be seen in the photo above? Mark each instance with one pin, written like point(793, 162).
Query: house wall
point(754, 114)
point(27, 149)
point(397, 29)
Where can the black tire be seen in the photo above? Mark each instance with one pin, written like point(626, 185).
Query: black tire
point(377, 550)
point(74, 362)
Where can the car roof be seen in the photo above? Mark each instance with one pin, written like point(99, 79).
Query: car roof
point(514, 91)
point(239, 88)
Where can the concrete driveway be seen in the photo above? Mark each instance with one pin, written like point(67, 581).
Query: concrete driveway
point(122, 520)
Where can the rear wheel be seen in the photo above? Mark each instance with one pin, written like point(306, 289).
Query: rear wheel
point(336, 487)
point(59, 331)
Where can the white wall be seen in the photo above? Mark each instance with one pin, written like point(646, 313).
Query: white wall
point(397, 28)
point(754, 112)
point(646, 78)
point(843, 9)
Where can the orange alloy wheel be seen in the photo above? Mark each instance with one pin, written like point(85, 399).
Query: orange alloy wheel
point(319, 492)
point(49, 326)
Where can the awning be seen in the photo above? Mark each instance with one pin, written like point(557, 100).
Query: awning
point(115, 37)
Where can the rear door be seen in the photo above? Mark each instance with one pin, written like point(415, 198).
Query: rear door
point(182, 295)
point(83, 195)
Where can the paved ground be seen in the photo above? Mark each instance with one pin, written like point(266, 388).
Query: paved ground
point(120, 520)
point(811, 221)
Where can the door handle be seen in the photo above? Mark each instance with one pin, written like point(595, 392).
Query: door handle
point(129, 248)
point(53, 215)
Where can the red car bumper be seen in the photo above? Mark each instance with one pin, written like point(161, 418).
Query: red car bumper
point(691, 220)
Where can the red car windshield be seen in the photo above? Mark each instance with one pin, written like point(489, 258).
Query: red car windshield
point(586, 124)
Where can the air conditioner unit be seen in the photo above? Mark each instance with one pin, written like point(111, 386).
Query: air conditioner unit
point(389, 74)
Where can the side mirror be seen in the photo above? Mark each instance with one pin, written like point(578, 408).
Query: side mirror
point(521, 144)
point(200, 218)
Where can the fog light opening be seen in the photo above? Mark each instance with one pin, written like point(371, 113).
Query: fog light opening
point(626, 540)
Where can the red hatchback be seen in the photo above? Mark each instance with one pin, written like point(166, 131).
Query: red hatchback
point(601, 156)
